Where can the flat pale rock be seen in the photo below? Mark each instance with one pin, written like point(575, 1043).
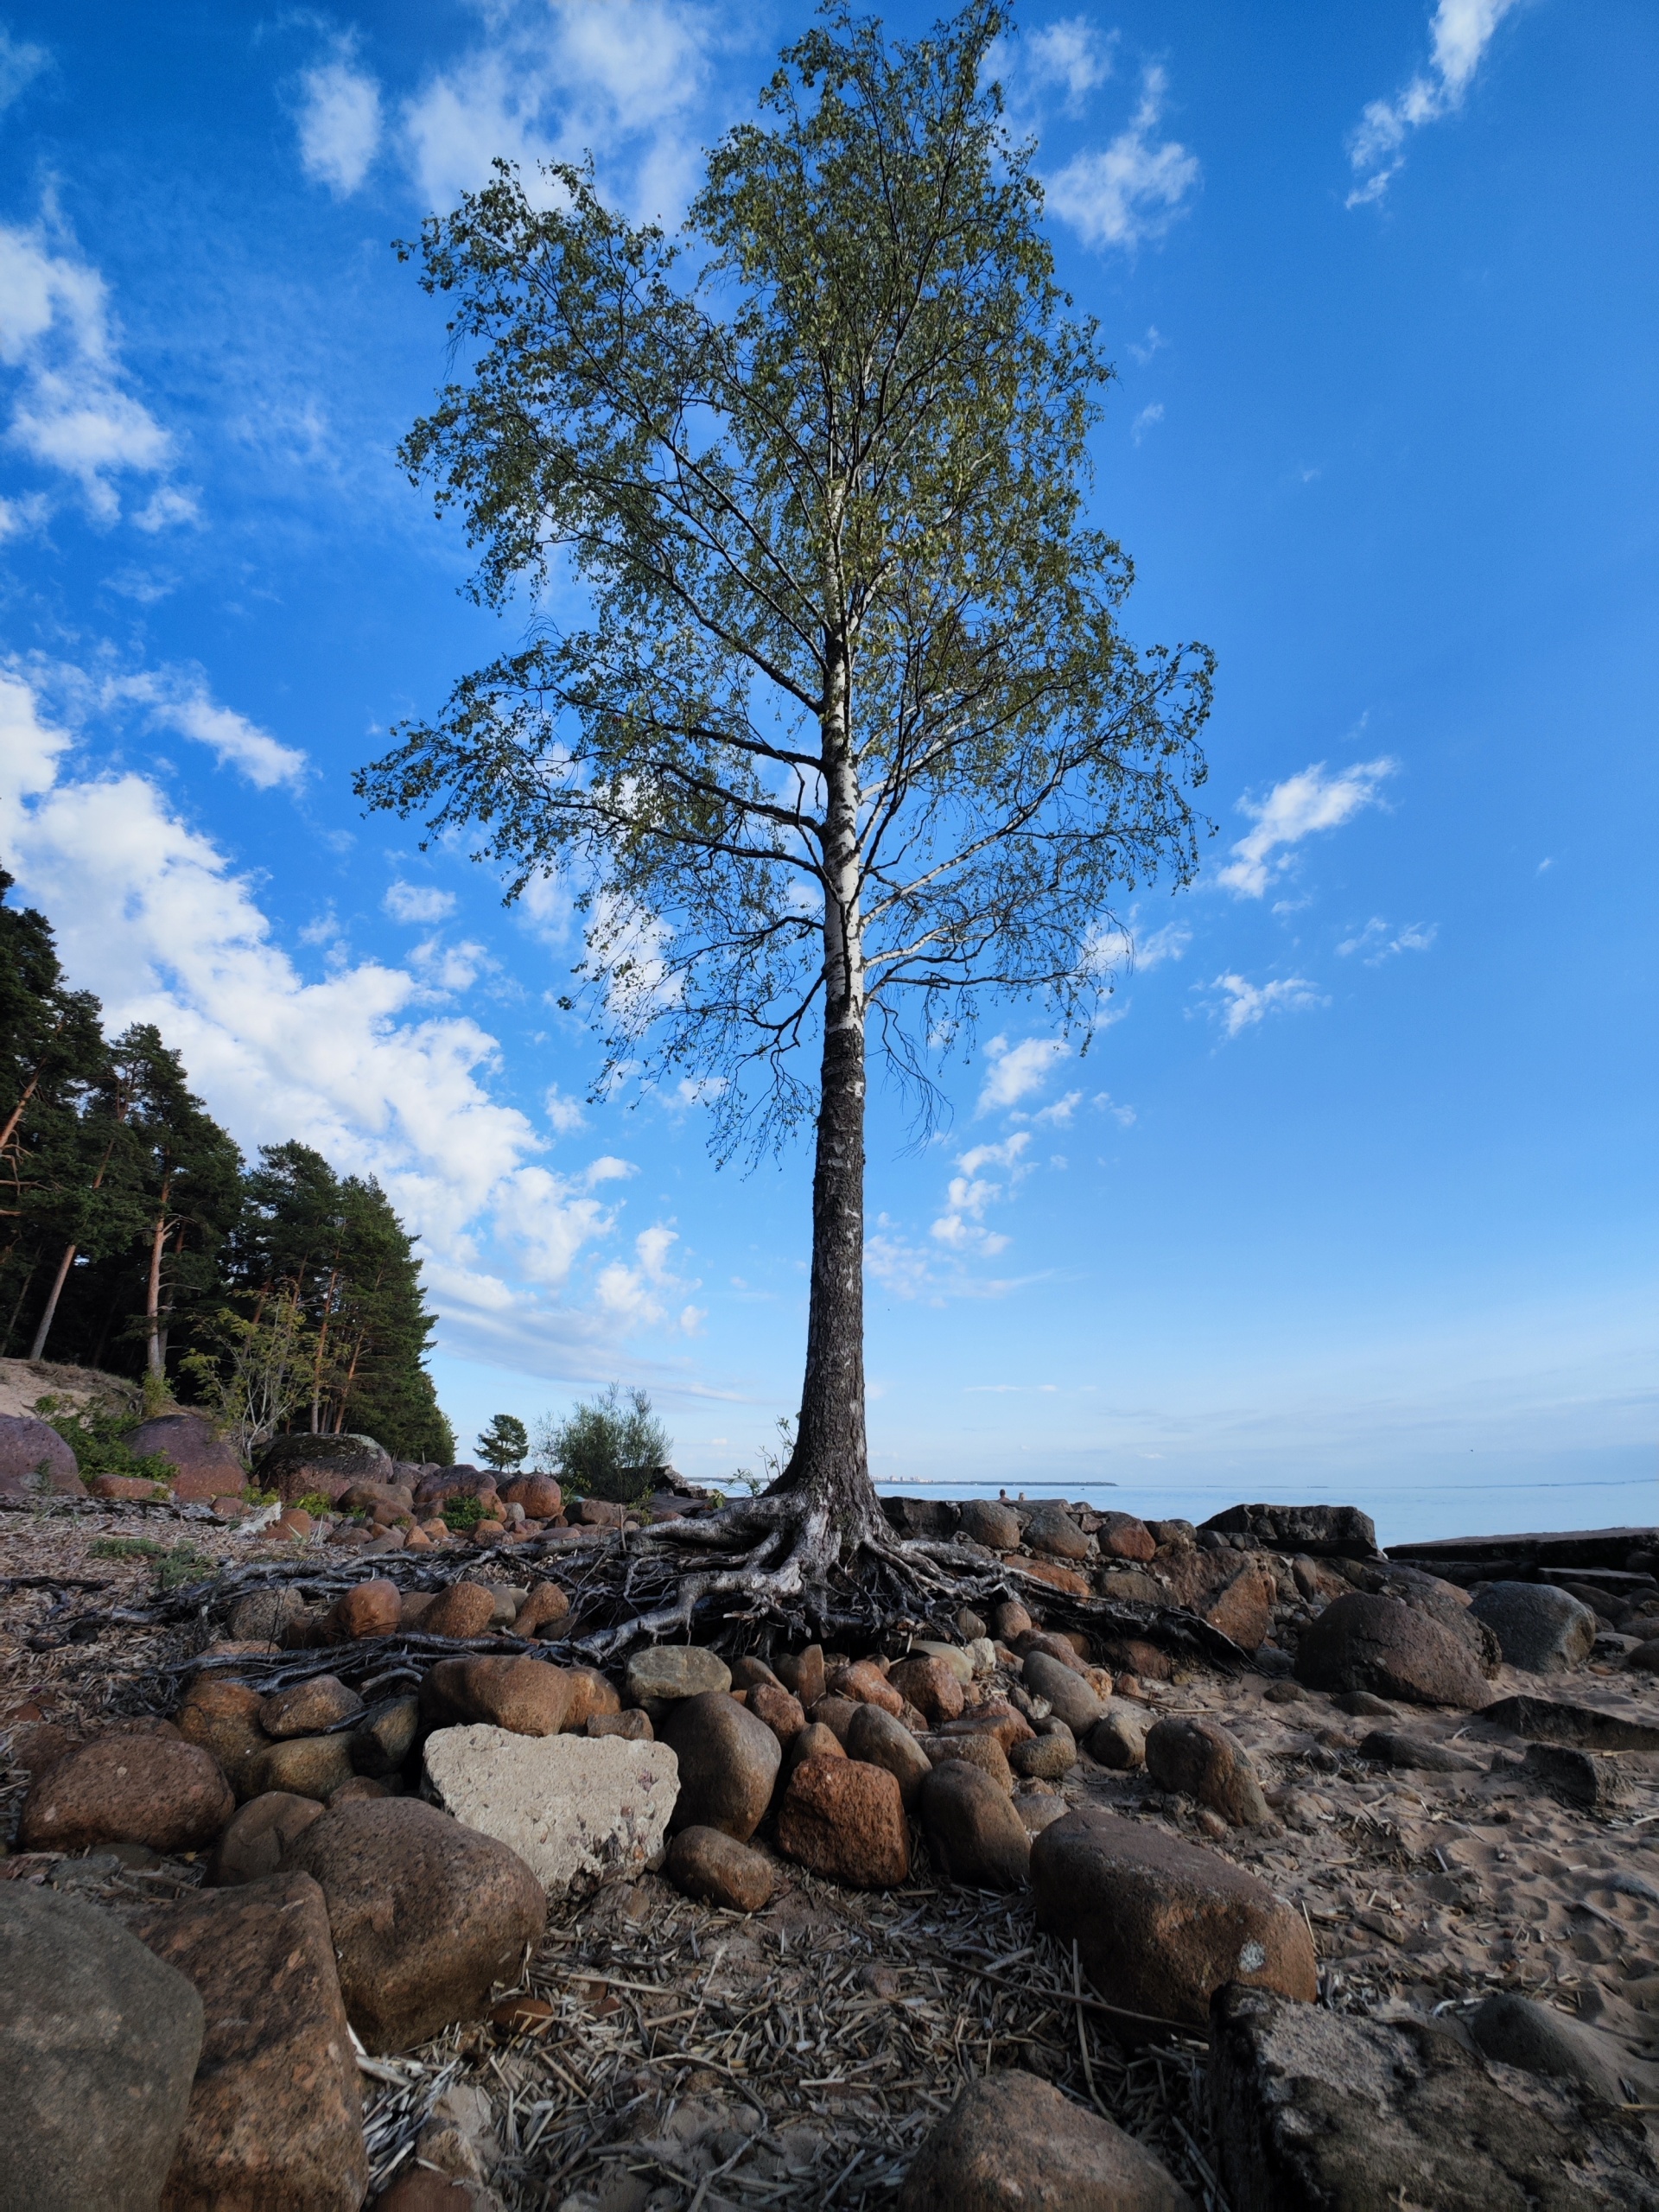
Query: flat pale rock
point(276, 2117)
point(1012, 2143)
point(672, 1670)
point(98, 2043)
point(577, 1809)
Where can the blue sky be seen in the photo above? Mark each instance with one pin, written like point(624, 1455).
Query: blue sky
point(1355, 1196)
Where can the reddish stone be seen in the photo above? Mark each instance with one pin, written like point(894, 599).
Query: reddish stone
point(978, 1749)
point(130, 1487)
point(1057, 1647)
point(865, 1684)
point(930, 1686)
point(253, 1845)
point(528, 1697)
point(772, 1703)
point(1120, 1536)
point(290, 1525)
point(465, 1609)
point(1056, 1576)
point(710, 1865)
point(488, 1533)
point(539, 1495)
point(371, 1609)
point(592, 1695)
point(33, 1456)
point(845, 1820)
point(128, 1788)
point(547, 1607)
point(997, 1717)
point(276, 2118)
point(200, 1485)
point(1012, 2140)
point(223, 1717)
point(802, 1672)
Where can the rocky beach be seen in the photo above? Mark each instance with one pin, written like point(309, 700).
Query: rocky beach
point(358, 1855)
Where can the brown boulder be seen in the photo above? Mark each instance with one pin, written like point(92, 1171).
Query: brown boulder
point(632, 1726)
point(836, 1715)
point(1053, 1532)
point(465, 1609)
point(1057, 1647)
point(34, 1457)
point(1064, 1687)
point(1065, 1579)
point(1364, 1643)
point(1131, 1655)
point(817, 1742)
point(384, 1737)
point(978, 1748)
point(864, 1683)
point(997, 1717)
point(1233, 1591)
point(155, 1789)
point(1046, 1757)
point(728, 1762)
point(772, 1703)
point(275, 2120)
point(253, 1845)
point(1162, 1925)
point(223, 1718)
point(1009, 1619)
point(590, 1695)
point(879, 1740)
point(1201, 1759)
point(1120, 1536)
point(930, 1686)
point(547, 1607)
point(529, 1697)
point(710, 1865)
point(539, 1495)
point(974, 1833)
point(371, 1609)
point(802, 1672)
point(425, 1914)
point(845, 1820)
point(306, 1766)
point(261, 1616)
point(308, 1708)
point(1010, 2139)
point(124, 1489)
point(202, 1486)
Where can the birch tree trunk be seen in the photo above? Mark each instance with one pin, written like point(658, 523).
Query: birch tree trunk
point(153, 1359)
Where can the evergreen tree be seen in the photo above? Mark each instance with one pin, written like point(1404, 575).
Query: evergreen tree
point(504, 1445)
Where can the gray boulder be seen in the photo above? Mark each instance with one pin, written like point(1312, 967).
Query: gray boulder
point(1013, 2139)
point(33, 1456)
point(99, 2045)
point(1323, 1531)
point(1520, 2033)
point(1365, 1643)
point(1067, 1694)
point(1538, 1627)
point(985, 1521)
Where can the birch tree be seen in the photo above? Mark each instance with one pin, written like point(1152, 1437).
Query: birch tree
point(822, 713)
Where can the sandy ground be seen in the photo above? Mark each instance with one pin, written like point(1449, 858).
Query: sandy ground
point(797, 2057)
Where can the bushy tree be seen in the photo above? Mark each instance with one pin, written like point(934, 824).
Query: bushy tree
point(607, 1447)
point(851, 739)
point(504, 1445)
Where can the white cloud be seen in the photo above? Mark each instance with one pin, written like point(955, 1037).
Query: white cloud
point(1017, 1070)
point(1459, 33)
point(1057, 1115)
point(151, 915)
point(637, 1294)
point(1115, 948)
point(72, 412)
point(178, 699)
point(418, 902)
point(20, 64)
point(1145, 420)
point(1068, 57)
point(551, 82)
point(961, 1227)
point(1295, 808)
point(1377, 944)
point(1134, 190)
point(1150, 345)
point(1244, 1003)
point(565, 1116)
point(339, 122)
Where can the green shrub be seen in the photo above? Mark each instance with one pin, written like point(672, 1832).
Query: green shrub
point(99, 1438)
point(262, 1498)
point(184, 1563)
point(125, 1548)
point(462, 1515)
point(609, 1447)
point(317, 1502)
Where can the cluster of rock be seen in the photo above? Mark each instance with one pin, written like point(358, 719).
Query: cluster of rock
point(376, 1867)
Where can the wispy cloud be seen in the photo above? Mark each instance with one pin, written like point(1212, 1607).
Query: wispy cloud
point(1295, 809)
point(339, 121)
point(1129, 193)
point(73, 412)
point(1017, 1070)
point(178, 699)
point(1460, 32)
point(1070, 59)
point(1376, 942)
point(21, 63)
point(1145, 420)
point(1242, 1004)
point(418, 902)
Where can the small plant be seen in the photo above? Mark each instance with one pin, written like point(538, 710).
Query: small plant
point(504, 1445)
point(98, 1437)
point(184, 1563)
point(126, 1548)
point(608, 1447)
point(317, 1502)
point(263, 1497)
point(774, 1458)
point(462, 1515)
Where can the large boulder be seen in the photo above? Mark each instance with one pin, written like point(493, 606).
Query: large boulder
point(707, 1864)
point(304, 1766)
point(99, 2045)
point(879, 1740)
point(1394, 1650)
point(308, 1708)
point(1051, 1531)
point(223, 1718)
point(120, 1788)
point(425, 1914)
point(576, 1809)
point(1064, 1687)
point(374, 1608)
point(292, 1465)
point(34, 1457)
point(275, 2119)
point(206, 1465)
point(1539, 1628)
point(1161, 1925)
point(531, 1697)
point(254, 1844)
point(844, 1819)
point(729, 1761)
point(1010, 2139)
point(1323, 1531)
point(1233, 1591)
point(996, 1527)
point(1315, 2108)
point(1122, 1535)
point(974, 1834)
point(676, 1670)
point(931, 1685)
point(465, 1609)
point(1203, 1760)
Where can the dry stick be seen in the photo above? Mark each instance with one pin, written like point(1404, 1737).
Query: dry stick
point(1082, 2033)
